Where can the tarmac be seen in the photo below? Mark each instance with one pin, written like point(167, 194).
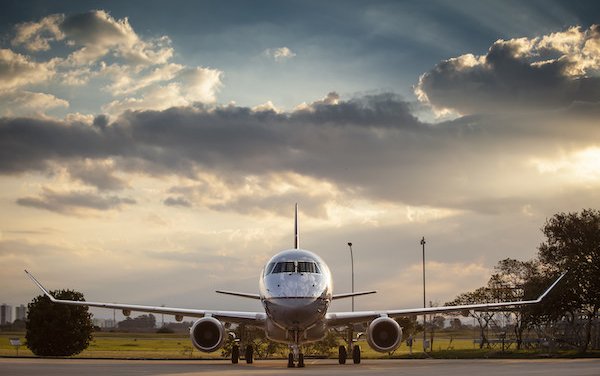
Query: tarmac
point(420, 367)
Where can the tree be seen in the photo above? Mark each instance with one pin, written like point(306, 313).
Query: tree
point(573, 244)
point(140, 322)
point(481, 295)
point(58, 329)
point(515, 280)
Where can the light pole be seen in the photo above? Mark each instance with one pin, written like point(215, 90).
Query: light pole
point(424, 304)
point(352, 264)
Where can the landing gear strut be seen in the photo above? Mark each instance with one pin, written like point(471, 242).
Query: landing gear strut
point(294, 356)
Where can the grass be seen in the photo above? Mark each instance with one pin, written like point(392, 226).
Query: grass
point(179, 346)
point(123, 345)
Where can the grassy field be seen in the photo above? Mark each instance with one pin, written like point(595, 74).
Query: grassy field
point(179, 346)
point(123, 345)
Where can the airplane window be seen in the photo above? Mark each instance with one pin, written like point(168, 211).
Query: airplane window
point(307, 267)
point(284, 267)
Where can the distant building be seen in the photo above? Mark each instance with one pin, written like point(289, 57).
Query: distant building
point(21, 312)
point(5, 314)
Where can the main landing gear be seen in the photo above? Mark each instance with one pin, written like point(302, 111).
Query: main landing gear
point(343, 354)
point(235, 354)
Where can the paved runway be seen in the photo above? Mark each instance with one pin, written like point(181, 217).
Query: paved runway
point(424, 367)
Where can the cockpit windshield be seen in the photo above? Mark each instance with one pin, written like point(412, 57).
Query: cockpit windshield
point(293, 267)
point(284, 267)
point(307, 267)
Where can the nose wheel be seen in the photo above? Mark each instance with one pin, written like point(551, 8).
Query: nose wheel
point(295, 357)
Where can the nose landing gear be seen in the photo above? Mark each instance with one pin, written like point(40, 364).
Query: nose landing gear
point(295, 355)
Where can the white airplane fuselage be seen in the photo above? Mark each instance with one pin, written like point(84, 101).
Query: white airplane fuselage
point(296, 290)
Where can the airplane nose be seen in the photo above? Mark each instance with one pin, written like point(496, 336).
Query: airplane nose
point(298, 286)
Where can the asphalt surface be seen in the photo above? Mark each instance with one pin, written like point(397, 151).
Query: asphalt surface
point(422, 367)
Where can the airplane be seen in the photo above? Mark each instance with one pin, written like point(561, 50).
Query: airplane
point(295, 289)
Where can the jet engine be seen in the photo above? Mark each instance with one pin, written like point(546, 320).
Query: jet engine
point(384, 334)
point(207, 334)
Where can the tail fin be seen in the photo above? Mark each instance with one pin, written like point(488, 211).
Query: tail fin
point(296, 237)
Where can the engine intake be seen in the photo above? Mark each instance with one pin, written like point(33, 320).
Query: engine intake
point(207, 334)
point(384, 334)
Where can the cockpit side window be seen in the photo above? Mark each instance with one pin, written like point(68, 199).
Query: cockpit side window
point(269, 268)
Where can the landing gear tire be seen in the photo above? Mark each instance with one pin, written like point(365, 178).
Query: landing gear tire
point(291, 361)
point(356, 354)
point(249, 354)
point(235, 354)
point(342, 355)
point(301, 360)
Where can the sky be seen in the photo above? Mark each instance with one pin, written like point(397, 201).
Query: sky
point(152, 152)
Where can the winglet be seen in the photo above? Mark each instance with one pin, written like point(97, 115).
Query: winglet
point(296, 236)
point(550, 288)
point(40, 286)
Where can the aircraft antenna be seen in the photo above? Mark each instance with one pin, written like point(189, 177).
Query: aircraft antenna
point(296, 237)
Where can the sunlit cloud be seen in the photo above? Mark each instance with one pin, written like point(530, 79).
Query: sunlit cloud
point(577, 166)
point(520, 74)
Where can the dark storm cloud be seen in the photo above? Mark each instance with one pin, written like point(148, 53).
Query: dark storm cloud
point(372, 145)
point(74, 202)
point(548, 72)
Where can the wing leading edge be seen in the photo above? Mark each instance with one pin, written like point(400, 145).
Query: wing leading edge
point(256, 318)
point(346, 318)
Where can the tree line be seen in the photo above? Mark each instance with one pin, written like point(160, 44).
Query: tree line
point(569, 314)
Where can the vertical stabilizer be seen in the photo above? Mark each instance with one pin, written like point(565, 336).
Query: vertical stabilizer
point(296, 237)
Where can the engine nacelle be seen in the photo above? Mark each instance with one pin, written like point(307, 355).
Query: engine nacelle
point(384, 334)
point(207, 334)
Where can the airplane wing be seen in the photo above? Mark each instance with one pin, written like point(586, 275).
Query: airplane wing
point(250, 318)
point(339, 319)
point(239, 294)
point(351, 294)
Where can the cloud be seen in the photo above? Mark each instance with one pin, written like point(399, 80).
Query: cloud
point(97, 33)
point(125, 81)
point(97, 173)
point(280, 54)
point(22, 103)
point(78, 202)
point(98, 50)
point(157, 98)
point(372, 147)
point(200, 84)
point(36, 36)
point(18, 70)
point(177, 201)
point(550, 72)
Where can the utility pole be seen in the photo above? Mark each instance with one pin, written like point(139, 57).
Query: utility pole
point(352, 265)
point(424, 303)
